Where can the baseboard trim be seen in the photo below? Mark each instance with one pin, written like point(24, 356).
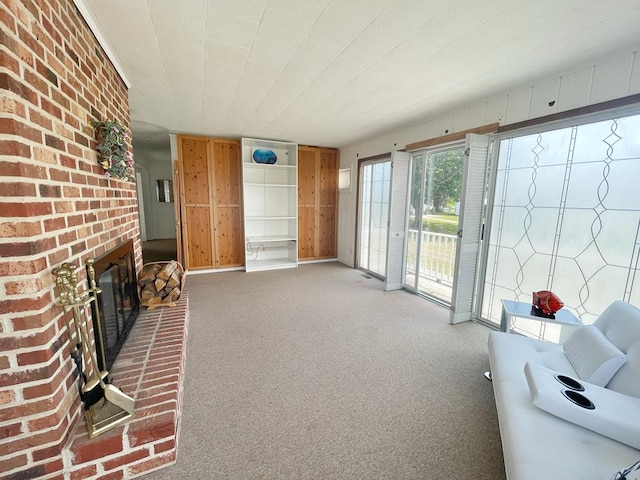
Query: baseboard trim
point(324, 260)
point(214, 270)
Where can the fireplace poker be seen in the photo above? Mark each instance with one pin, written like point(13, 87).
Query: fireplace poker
point(90, 390)
point(111, 393)
point(74, 347)
point(93, 390)
point(94, 291)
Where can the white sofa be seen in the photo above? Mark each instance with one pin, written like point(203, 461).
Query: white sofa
point(539, 445)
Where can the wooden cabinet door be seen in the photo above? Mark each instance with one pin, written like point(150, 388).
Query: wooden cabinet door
point(210, 198)
point(197, 214)
point(317, 203)
point(227, 212)
point(328, 204)
point(307, 202)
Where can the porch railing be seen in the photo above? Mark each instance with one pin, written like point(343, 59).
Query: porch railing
point(437, 257)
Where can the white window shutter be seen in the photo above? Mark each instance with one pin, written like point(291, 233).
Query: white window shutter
point(470, 225)
point(397, 220)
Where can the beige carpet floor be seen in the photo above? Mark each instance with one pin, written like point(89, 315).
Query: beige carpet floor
point(317, 373)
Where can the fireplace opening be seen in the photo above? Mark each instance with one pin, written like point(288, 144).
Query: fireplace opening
point(118, 303)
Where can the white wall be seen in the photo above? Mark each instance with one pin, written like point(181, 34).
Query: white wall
point(611, 77)
point(160, 218)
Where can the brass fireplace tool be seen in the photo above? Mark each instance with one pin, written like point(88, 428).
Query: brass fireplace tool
point(105, 406)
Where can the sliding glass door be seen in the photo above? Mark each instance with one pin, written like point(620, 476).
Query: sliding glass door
point(435, 190)
point(375, 184)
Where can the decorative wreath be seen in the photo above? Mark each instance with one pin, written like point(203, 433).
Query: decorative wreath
point(113, 151)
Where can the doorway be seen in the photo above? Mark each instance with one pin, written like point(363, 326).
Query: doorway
point(434, 211)
point(373, 225)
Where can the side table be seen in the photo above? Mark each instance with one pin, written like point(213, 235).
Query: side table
point(512, 309)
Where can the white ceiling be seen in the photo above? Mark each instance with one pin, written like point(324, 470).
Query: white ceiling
point(331, 72)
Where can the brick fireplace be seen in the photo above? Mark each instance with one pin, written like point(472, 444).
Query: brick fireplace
point(57, 206)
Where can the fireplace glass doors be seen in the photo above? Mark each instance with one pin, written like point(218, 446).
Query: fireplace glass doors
point(118, 302)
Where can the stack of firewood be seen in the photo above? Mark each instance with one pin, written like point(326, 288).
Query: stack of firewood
point(160, 284)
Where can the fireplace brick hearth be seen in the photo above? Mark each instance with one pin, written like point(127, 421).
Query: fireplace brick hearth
point(150, 367)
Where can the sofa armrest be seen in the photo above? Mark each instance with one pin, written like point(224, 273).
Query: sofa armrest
point(604, 411)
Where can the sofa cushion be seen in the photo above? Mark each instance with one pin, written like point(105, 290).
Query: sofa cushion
point(631, 472)
point(620, 323)
point(594, 358)
point(626, 379)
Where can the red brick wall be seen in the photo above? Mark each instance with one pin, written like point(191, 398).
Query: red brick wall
point(56, 205)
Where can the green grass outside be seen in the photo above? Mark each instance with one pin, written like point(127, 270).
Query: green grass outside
point(440, 223)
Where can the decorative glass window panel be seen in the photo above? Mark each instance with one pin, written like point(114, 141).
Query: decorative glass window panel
point(566, 218)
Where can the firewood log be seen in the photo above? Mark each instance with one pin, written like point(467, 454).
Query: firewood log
point(146, 276)
point(173, 281)
point(174, 294)
point(167, 270)
point(148, 292)
point(160, 284)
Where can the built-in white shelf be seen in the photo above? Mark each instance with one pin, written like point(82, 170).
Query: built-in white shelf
point(270, 193)
point(271, 218)
point(272, 264)
point(275, 166)
point(271, 238)
point(269, 185)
